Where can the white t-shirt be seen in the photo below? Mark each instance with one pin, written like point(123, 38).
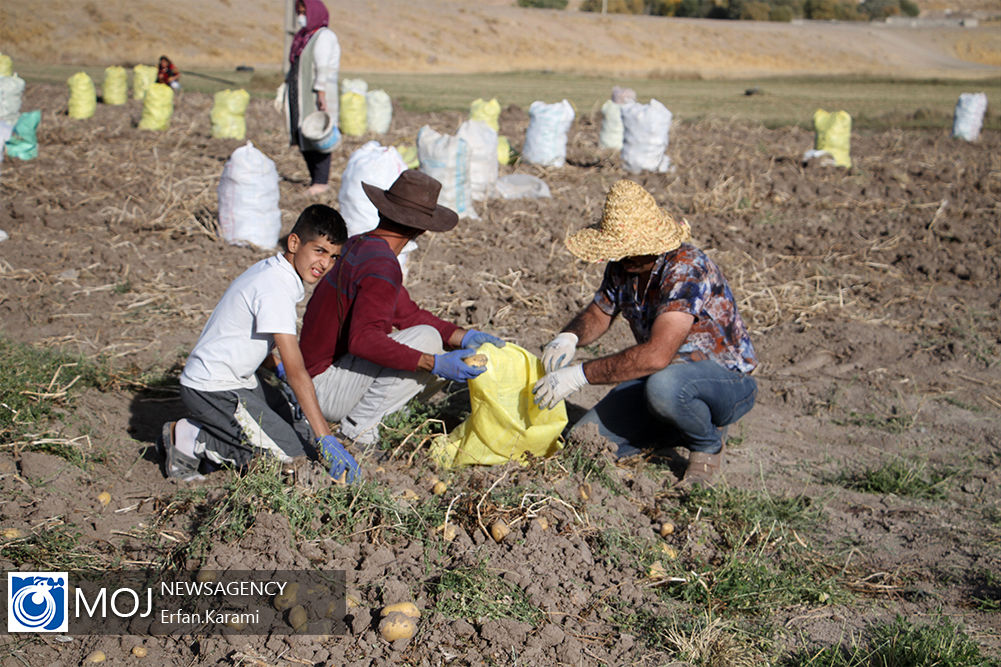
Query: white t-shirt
point(240, 331)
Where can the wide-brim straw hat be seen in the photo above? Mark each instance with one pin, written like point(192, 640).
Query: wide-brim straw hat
point(412, 201)
point(631, 225)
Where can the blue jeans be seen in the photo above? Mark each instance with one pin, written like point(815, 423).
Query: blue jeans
point(682, 404)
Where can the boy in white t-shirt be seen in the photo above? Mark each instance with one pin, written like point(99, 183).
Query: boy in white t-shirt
point(234, 415)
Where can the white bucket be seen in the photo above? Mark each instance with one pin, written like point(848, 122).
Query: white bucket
point(319, 132)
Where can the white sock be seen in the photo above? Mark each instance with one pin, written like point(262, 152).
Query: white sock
point(186, 436)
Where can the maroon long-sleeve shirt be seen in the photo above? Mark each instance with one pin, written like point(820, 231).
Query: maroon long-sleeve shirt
point(357, 305)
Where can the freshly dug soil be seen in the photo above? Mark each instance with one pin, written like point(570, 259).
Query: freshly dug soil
point(873, 295)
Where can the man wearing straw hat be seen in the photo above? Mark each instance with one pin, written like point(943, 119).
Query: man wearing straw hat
point(688, 375)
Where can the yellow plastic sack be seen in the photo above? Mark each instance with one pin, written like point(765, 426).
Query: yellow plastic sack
point(143, 76)
point(504, 423)
point(409, 154)
point(6, 65)
point(834, 135)
point(228, 114)
point(115, 89)
point(83, 96)
point(353, 114)
point(503, 150)
point(488, 112)
point(158, 107)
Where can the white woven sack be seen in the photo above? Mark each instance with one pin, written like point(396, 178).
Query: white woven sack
point(354, 86)
point(483, 165)
point(248, 199)
point(446, 158)
point(11, 91)
point(379, 109)
point(645, 132)
point(969, 116)
point(372, 163)
point(546, 137)
point(611, 126)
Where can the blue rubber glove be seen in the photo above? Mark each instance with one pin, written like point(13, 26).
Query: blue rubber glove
point(473, 339)
point(340, 460)
point(452, 367)
point(280, 372)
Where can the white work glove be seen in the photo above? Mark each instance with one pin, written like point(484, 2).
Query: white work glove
point(559, 351)
point(554, 387)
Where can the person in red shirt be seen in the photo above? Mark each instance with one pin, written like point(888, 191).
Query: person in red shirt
point(167, 73)
point(368, 347)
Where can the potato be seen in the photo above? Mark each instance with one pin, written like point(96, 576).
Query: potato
point(287, 599)
point(104, 497)
point(656, 571)
point(499, 530)
point(585, 491)
point(12, 533)
point(439, 488)
point(666, 529)
point(542, 522)
point(448, 531)
point(409, 494)
point(405, 608)
point(397, 626)
point(95, 657)
point(352, 600)
point(139, 651)
point(476, 360)
point(297, 617)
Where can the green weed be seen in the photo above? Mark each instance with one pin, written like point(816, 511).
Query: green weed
point(901, 644)
point(50, 548)
point(756, 558)
point(620, 549)
point(34, 381)
point(336, 511)
point(476, 592)
point(591, 467)
point(892, 423)
point(898, 477)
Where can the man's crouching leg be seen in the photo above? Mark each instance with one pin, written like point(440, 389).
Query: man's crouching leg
point(698, 399)
point(390, 389)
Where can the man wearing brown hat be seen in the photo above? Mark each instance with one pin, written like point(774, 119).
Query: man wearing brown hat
point(688, 375)
point(368, 347)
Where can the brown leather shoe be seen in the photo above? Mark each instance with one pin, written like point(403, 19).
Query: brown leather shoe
point(702, 467)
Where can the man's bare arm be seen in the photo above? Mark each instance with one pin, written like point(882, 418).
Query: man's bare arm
point(668, 334)
point(298, 378)
point(589, 324)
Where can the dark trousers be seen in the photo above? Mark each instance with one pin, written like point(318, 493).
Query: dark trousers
point(318, 165)
point(238, 424)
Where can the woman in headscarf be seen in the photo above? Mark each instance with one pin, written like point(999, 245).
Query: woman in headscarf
point(311, 84)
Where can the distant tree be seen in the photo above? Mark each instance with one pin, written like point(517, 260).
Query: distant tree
point(820, 10)
point(614, 6)
point(755, 11)
point(543, 4)
point(848, 11)
point(663, 7)
point(909, 8)
point(878, 10)
point(782, 13)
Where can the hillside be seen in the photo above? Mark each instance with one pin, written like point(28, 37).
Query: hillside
point(456, 36)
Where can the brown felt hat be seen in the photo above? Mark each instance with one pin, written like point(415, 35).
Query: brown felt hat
point(412, 201)
point(631, 224)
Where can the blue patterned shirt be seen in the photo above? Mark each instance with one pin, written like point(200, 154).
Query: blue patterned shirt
point(683, 280)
